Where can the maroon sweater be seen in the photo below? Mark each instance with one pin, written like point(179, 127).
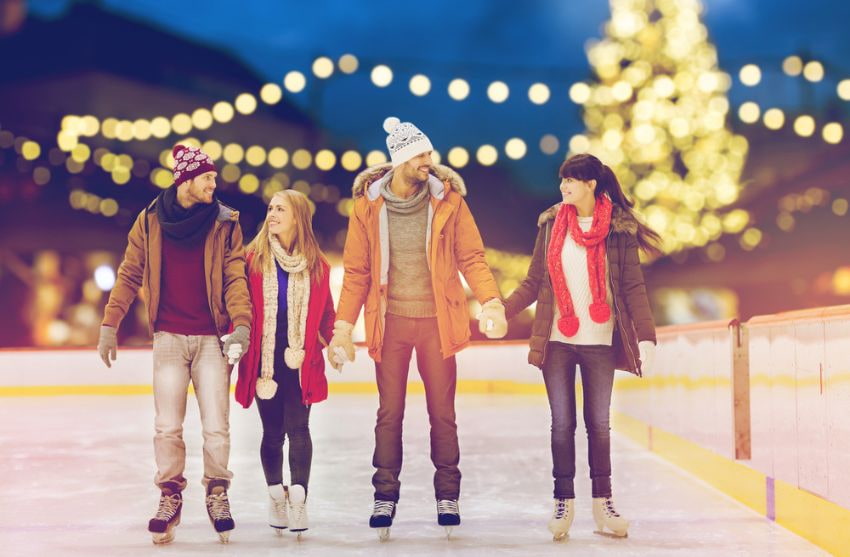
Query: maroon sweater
point(183, 305)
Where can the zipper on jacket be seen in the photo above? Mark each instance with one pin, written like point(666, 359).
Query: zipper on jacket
point(210, 301)
point(546, 270)
point(617, 314)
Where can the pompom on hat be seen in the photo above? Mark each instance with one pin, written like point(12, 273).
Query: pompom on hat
point(190, 162)
point(405, 141)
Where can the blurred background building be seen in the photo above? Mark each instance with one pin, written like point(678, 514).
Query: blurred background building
point(724, 120)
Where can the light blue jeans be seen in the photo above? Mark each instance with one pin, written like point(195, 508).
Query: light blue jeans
point(177, 361)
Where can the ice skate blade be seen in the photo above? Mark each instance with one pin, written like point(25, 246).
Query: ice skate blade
point(224, 537)
point(278, 531)
point(449, 532)
point(163, 537)
point(383, 534)
point(611, 534)
point(560, 537)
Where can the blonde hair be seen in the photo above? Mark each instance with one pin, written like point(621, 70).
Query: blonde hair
point(304, 241)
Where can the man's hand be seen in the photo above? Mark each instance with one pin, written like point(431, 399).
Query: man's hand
point(235, 344)
point(107, 344)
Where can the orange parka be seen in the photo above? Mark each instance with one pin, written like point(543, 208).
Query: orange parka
point(453, 244)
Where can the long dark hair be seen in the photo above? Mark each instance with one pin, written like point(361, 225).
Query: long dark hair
point(586, 167)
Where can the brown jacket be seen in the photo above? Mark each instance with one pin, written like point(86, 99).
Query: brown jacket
point(632, 313)
point(224, 266)
point(453, 244)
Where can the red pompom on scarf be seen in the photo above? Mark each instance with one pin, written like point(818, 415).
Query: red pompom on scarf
point(594, 242)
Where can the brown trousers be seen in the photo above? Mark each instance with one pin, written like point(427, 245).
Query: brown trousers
point(403, 335)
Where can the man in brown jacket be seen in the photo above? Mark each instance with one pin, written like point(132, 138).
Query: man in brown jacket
point(409, 234)
point(185, 252)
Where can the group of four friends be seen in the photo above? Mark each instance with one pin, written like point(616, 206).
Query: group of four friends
point(212, 304)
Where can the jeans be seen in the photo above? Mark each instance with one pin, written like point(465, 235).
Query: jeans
point(177, 360)
point(597, 379)
point(403, 335)
point(284, 415)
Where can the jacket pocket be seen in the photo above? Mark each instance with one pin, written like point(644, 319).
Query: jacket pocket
point(370, 318)
point(458, 312)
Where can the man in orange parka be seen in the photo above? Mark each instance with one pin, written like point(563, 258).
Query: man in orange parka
point(409, 234)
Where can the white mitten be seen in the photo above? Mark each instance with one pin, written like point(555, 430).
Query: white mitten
point(491, 320)
point(342, 340)
point(647, 355)
point(337, 357)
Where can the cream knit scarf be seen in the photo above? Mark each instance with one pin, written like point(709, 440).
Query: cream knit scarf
point(297, 300)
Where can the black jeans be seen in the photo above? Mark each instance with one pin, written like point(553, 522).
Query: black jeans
point(403, 335)
point(597, 379)
point(284, 415)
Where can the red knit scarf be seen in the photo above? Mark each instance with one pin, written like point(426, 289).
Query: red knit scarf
point(594, 241)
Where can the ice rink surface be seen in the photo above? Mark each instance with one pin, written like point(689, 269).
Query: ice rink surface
point(77, 479)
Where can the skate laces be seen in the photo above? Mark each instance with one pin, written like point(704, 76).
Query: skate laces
point(447, 506)
point(560, 508)
point(608, 506)
point(219, 506)
point(279, 505)
point(383, 508)
point(298, 510)
point(167, 506)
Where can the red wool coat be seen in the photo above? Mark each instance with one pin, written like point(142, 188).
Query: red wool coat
point(320, 320)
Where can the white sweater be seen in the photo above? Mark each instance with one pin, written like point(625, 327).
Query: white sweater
point(574, 260)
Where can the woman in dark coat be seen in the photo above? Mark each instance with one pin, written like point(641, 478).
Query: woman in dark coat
point(592, 312)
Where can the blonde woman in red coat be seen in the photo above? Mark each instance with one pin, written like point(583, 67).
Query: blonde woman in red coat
point(292, 319)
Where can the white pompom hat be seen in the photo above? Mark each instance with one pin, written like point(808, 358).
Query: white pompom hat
point(405, 140)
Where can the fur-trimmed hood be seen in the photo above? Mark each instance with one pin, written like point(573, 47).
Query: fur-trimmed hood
point(441, 177)
point(621, 221)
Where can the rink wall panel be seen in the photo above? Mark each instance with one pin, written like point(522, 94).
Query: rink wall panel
point(492, 367)
point(796, 369)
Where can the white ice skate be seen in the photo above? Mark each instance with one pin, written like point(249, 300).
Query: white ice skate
point(607, 517)
point(382, 518)
point(562, 519)
point(448, 515)
point(297, 509)
point(278, 503)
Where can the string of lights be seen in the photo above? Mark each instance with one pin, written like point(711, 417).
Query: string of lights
point(381, 75)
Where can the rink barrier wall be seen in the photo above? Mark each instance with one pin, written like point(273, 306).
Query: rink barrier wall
point(484, 368)
point(792, 371)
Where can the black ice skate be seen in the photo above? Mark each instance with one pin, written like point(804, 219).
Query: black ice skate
point(167, 516)
point(218, 508)
point(382, 518)
point(448, 515)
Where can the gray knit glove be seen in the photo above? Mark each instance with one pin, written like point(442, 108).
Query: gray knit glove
point(107, 344)
point(235, 344)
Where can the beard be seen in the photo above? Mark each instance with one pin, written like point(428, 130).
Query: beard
point(413, 176)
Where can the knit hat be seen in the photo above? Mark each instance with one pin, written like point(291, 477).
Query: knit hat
point(405, 140)
point(190, 162)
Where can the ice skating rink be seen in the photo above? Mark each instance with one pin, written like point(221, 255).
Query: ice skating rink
point(77, 477)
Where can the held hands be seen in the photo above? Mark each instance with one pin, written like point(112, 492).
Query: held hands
point(491, 320)
point(107, 344)
point(341, 348)
point(235, 344)
point(647, 355)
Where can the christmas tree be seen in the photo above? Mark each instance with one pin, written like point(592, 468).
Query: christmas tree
point(656, 113)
